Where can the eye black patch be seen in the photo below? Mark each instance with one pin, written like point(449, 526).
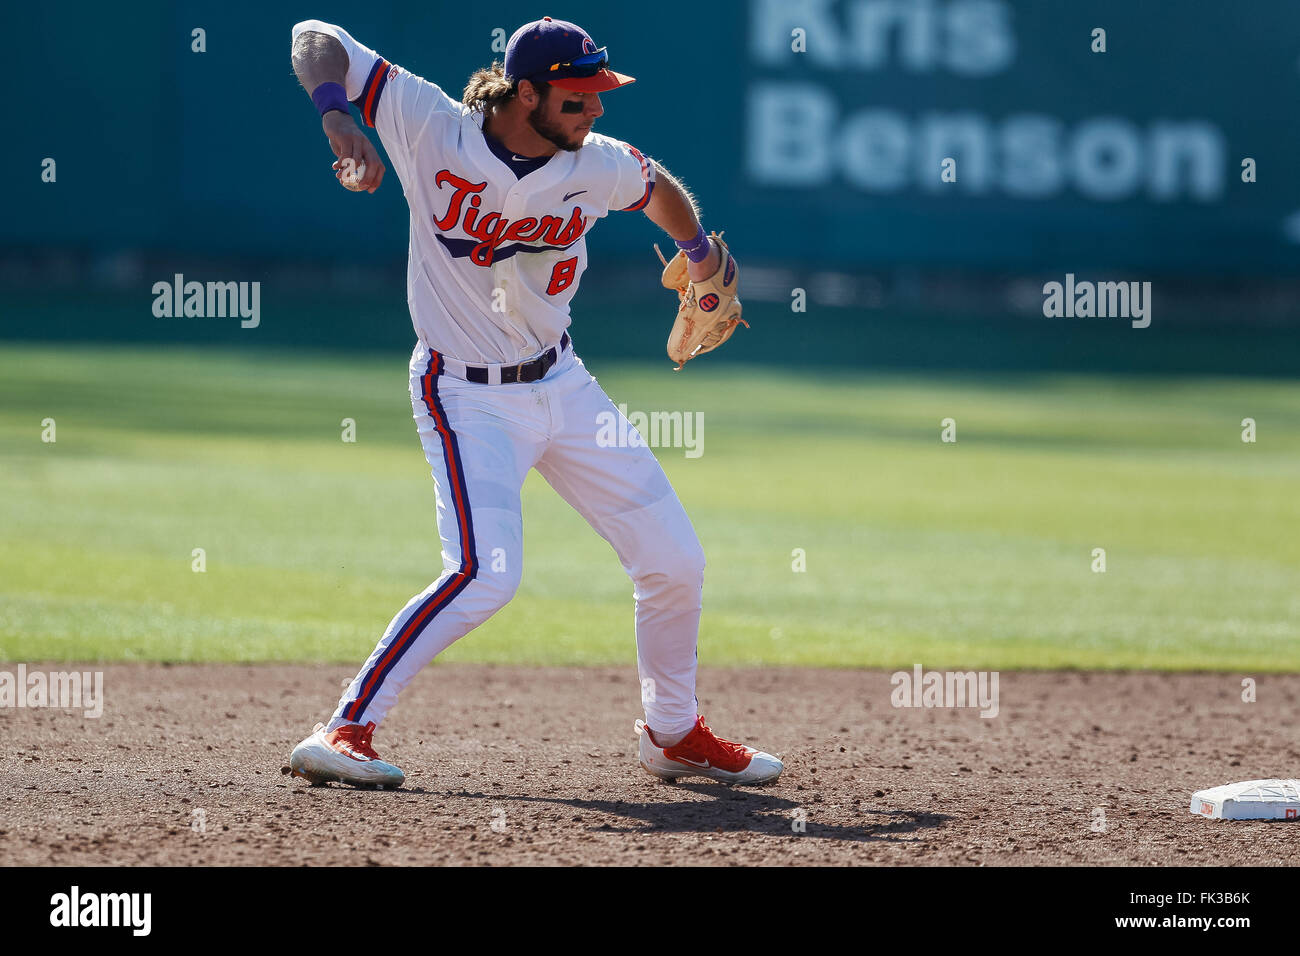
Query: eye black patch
point(571, 106)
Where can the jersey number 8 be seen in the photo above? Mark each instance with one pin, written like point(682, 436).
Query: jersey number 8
point(562, 275)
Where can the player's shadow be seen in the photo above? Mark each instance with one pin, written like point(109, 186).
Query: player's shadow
point(733, 810)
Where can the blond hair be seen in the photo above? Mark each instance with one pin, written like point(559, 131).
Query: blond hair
point(490, 87)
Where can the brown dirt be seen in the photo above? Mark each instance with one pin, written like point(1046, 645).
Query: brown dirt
point(551, 753)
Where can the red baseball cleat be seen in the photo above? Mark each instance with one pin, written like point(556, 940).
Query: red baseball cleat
point(701, 754)
point(344, 755)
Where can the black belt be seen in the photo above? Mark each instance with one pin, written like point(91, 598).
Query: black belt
point(523, 372)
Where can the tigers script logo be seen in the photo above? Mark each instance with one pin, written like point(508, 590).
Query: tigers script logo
point(494, 230)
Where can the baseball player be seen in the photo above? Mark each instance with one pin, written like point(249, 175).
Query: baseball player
point(503, 188)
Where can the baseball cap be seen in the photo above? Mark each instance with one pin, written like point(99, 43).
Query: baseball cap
point(562, 54)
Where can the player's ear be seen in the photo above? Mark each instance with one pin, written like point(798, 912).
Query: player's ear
point(527, 93)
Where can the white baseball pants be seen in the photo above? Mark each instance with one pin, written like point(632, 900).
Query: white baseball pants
point(480, 441)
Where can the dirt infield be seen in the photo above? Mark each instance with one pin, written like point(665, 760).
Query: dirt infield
point(526, 766)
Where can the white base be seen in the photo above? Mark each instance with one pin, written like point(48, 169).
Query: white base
point(1250, 800)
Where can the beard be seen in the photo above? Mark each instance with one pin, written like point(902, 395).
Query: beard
point(552, 132)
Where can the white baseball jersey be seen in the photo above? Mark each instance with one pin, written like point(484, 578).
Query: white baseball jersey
point(494, 260)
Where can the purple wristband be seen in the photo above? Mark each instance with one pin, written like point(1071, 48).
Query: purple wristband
point(330, 96)
point(697, 249)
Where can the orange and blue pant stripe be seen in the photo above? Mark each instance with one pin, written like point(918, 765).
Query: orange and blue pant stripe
point(427, 609)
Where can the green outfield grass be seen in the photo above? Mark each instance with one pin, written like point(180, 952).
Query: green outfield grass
point(974, 555)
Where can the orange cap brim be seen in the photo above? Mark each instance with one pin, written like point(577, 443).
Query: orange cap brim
point(602, 81)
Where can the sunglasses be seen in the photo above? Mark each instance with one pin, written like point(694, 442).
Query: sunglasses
point(583, 66)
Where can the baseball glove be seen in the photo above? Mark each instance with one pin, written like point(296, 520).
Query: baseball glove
point(708, 311)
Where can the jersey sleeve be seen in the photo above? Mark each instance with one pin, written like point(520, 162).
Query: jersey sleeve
point(396, 103)
point(636, 178)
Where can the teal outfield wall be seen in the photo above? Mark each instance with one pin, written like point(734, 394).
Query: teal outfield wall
point(1065, 159)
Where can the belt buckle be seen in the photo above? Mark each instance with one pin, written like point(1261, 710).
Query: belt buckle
point(525, 371)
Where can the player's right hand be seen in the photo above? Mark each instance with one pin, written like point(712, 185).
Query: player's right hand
point(349, 143)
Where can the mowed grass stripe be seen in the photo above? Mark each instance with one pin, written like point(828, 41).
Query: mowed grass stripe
point(974, 554)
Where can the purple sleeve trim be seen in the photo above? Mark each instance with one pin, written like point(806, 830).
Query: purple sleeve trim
point(645, 198)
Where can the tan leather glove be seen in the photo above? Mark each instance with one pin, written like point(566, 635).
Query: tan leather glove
point(708, 311)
